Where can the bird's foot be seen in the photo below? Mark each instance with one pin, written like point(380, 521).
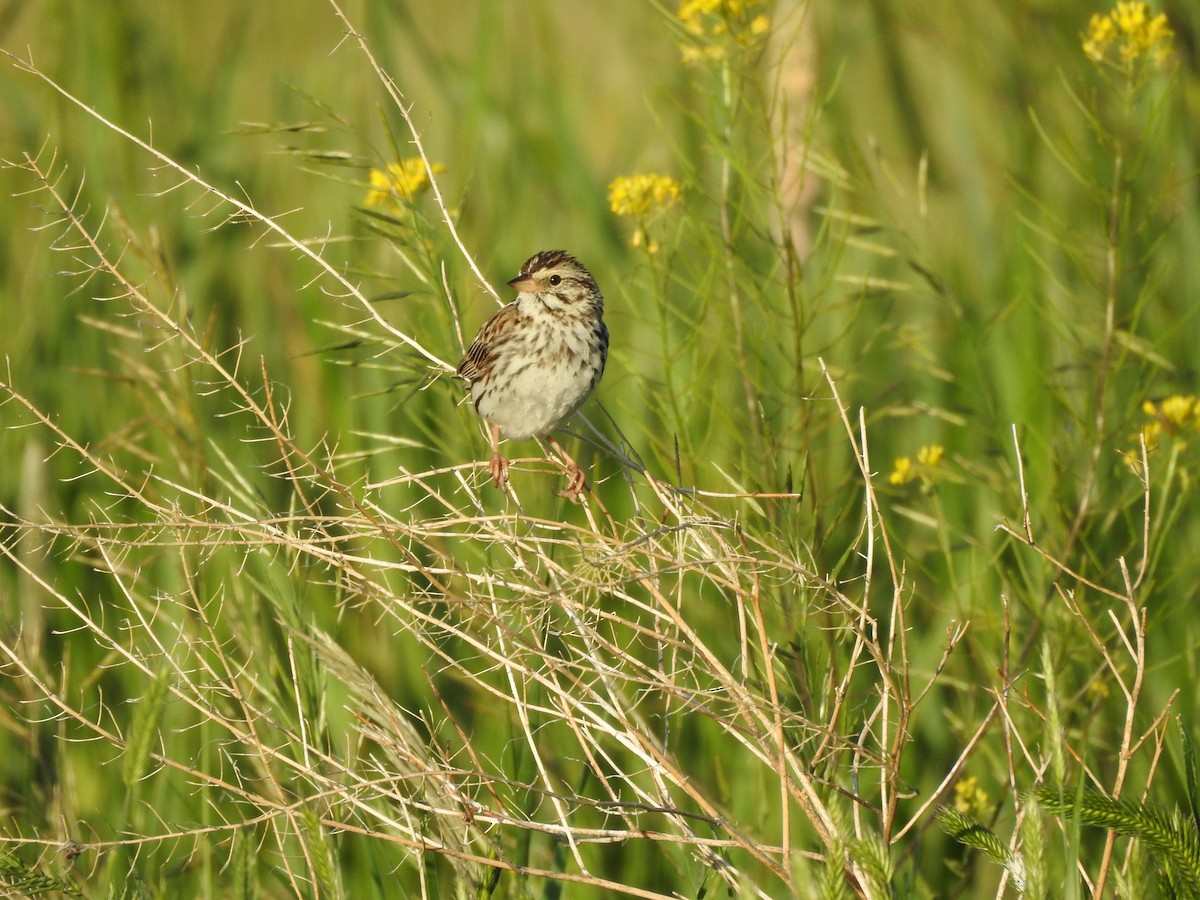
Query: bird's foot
point(576, 482)
point(498, 468)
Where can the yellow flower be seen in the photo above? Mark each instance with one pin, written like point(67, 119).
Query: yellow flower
point(1130, 15)
point(1173, 416)
point(1102, 31)
point(902, 471)
point(1160, 39)
point(713, 52)
point(641, 239)
point(1132, 29)
point(714, 25)
point(1177, 412)
point(637, 195)
point(642, 197)
point(400, 183)
point(929, 460)
point(970, 798)
point(692, 13)
point(931, 456)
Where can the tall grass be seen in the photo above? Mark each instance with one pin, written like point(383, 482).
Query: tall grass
point(882, 583)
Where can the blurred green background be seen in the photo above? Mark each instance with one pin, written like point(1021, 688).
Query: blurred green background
point(955, 282)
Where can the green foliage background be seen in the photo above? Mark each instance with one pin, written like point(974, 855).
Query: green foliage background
point(961, 219)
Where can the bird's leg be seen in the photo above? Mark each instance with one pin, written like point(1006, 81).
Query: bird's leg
point(497, 465)
point(576, 480)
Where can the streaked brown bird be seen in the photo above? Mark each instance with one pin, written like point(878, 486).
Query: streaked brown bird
point(536, 361)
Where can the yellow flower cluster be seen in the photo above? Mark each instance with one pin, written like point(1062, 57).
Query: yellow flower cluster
point(970, 798)
point(929, 460)
point(639, 196)
point(1132, 31)
point(712, 22)
point(399, 184)
point(1173, 417)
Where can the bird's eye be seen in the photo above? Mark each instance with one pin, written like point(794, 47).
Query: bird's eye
point(555, 280)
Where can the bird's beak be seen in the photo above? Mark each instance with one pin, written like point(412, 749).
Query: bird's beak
point(525, 285)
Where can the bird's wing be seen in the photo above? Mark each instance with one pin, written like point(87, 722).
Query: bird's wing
point(483, 349)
